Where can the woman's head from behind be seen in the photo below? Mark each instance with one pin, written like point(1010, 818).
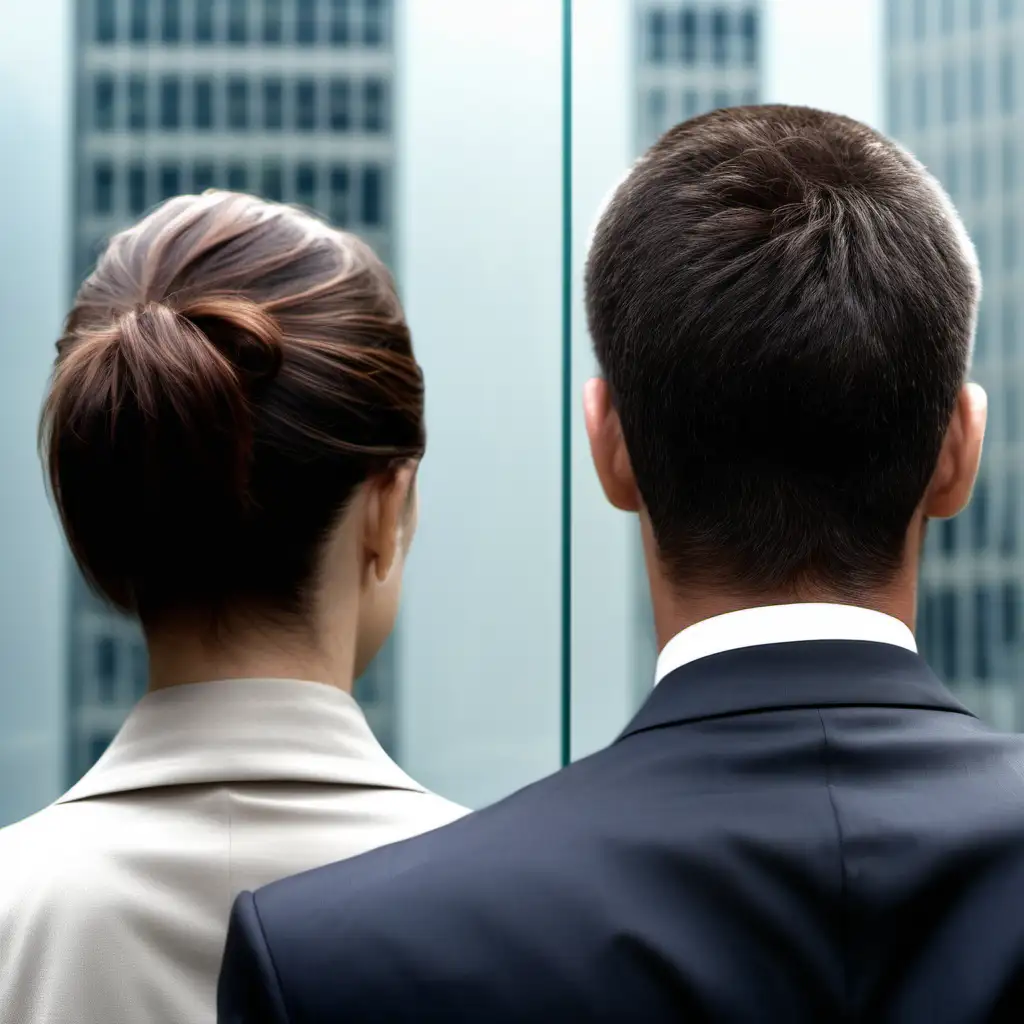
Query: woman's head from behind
point(233, 424)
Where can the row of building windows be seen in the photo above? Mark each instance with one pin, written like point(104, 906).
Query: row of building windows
point(692, 35)
point(979, 172)
point(207, 103)
point(919, 19)
point(983, 623)
point(240, 22)
point(957, 93)
point(347, 195)
point(662, 110)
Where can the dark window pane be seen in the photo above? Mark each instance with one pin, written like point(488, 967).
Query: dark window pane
point(375, 113)
point(172, 21)
point(97, 745)
point(979, 516)
point(238, 104)
point(949, 95)
point(341, 105)
point(688, 36)
point(719, 37)
point(947, 536)
point(170, 103)
point(657, 36)
point(103, 188)
point(140, 21)
point(305, 104)
point(339, 212)
point(238, 177)
point(204, 176)
point(238, 21)
point(273, 104)
point(374, 22)
point(1011, 612)
point(1010, 321)
point(106, 21)
point(748, 29)
point(340, 30)
point(1008, 539)
point(273, 21)
point(137, 199)
point(1007, 82)
point(1012, 413)
point(273, 182)
point(305, 22)
point(170, 181)
point(948, 646)
point(205, 30)
point(138, 99)
point(982, 622)
point(203, 103)
point(657, 104)
point(106, 669)
point(103, 103)
point(305, 185)
point(373, 197)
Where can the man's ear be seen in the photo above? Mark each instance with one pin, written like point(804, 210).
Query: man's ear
point(608, 447)
point(957, 468)
point(387, 509)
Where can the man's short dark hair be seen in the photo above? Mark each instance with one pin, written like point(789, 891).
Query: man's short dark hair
point(782, 302)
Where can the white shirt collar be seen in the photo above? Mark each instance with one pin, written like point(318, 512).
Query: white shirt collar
point(780, 624)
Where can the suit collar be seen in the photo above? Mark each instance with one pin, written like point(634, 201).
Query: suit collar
point(819, 673)
point(242, 730)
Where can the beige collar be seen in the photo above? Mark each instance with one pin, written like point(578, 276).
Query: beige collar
point(242, 730)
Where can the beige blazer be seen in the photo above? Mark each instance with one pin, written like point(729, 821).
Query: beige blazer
point(114, 901)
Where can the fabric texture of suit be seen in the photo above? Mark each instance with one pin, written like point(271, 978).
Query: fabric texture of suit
point(114, 901)
point(797, 832)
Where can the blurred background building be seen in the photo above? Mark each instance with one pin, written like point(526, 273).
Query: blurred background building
point(954, 98)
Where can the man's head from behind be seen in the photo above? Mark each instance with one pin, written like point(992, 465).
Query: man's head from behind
point(782, 303)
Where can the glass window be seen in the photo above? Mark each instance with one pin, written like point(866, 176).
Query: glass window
point(170, 103)
point(1009, 162)
point(951, 178)
point(978, 172)
point(106, 669)
point(1008, 538)
point(170, 181)
point(977, 13)
point(982, 618)
point(920, 100)
point(920, 18)
point(688, 36)
point(721, 98)
point(103, 188)
point(238, 21)
point(1009, 242)
point(1012, 410)
point(339, 212)
point(979, 516)
point(977, 87)
point(306, 184)
point(205, 31)
point(103, 103)
point(202, 95)
point(719, 36)
point(947, 537)
point(948, 646)
point(657, 36)
point(949, 96)
point(1007, 82)
point(273, 104)
point(139, 27)
point(1011, 612)
point(138, 98)
point(341, 33)
point(137, 200)
point(341, 105)
point(172, 21)
point(305, 22)
point(305, 104)
point(106, 21)
point(374, 22)
point(273, 21)
point(981, 330)
point(238, 177)
point(373, 197)
point(691, 103)
point(204, 176)
point(948, 14)
point(656, 114)
point(749, 33)
point(1010, 320)
point(272, 185)
point(375, 105)
point(238, 103)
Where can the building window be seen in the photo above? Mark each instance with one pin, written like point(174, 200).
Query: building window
point(719, 37)
point(1010, 321)
point(273, 21)
point(305, 105)
point(202, 103)
point(1007, 82)
point(170, 104)
point(893, 98)
point(979, 517)
point(656, 114)
point(1011, 613)
point(103, 188)
point(947, 537)
point(137, 201)
point(103, 103)
point(106, 669)
point(749, 97)
point(1009, 163)
point(305, 22)
point(139, 25)
point(170, 181)
point(238, 177)
point(205, 32)
point(106, 21)
point(948, 14)
point(204, 176)
point(273, 104)
point(920, 18)
point(305, 185)
point(978, 174)
point(340, 31)
point(688, 36)
point(691, 103)
point(339, 183)
point(1008, 541)
point(1012, 413)
point(981, 329)
point(238, 22)
point(748, 32)
point(949, 97)
point(977, 87)
point(1009, 242)
point(341, 105)
point(948, 633)
point(238, 104)
point(920, 100)
point(172, 21)
point(952, 174)
point(272, 185)
point(982, 648)
point(977, 13)
point(374, 22)
point(375, 112)
point(138, 97)
point(373, 197)
point(720, 99)
point(657, 36)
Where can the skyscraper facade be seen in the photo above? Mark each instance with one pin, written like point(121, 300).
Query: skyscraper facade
point(288, 99)
point(954, 98)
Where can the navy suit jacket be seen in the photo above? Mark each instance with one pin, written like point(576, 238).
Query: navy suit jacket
point(801, 832)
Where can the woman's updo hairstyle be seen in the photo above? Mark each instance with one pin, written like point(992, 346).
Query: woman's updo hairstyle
point(229, 374)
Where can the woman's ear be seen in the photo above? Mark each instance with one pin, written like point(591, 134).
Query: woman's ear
point(390, 499)
point(608, 447)
point(957, 467)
